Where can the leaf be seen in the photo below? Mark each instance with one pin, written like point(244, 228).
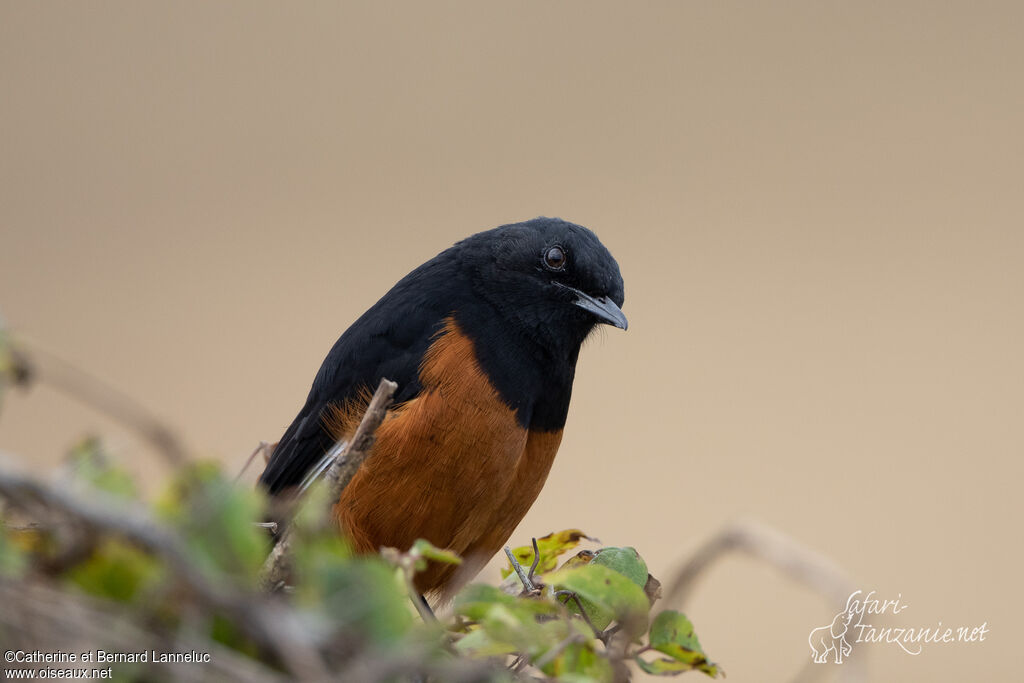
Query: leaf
point(652, 589)
point(672, 667)
point(586, 678)
point(362, 593)
point(175, 497)
point(550, 546)
point(117, 571)
point(479, 643)
point(672, 634)
point(519, 627)
point(12, 559)
point(424, 548)
point(506, 624)
point(673, 630)
point(217, 520)
point(475, 600)
point(606, 595)
point(626, 561)
point(580, 559)
point(579, 661)
point(89, 463)
point(28, 541)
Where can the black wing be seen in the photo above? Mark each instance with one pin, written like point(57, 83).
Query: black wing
point(389, 340)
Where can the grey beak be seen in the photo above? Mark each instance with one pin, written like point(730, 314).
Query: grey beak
point(606, 310)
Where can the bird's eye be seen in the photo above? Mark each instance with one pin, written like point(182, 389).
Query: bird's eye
point(555, 258)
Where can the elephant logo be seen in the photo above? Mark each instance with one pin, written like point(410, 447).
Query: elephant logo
point(832, 638)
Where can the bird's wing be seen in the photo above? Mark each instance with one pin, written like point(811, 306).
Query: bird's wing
point(389, 340)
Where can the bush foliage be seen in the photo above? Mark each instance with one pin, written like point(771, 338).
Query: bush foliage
point(573, 616)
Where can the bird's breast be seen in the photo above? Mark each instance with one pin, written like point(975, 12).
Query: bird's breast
point(453, 465)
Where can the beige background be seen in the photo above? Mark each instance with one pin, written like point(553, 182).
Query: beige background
point(817, 210)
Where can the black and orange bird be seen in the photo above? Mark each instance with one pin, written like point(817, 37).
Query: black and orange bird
point(483, 341)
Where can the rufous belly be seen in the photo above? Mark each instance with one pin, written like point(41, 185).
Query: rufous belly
point(452, 466)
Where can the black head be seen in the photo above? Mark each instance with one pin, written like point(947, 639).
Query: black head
point(551, 280)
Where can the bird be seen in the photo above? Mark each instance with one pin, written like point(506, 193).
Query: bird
point(483, 341)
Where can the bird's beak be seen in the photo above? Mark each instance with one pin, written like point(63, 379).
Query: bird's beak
point(606, 310)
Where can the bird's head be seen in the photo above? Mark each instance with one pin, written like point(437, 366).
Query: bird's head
point(552, 279)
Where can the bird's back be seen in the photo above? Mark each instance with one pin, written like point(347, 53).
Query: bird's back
point(388, 341)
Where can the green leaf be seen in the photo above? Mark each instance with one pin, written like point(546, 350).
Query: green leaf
point(117, 571)
point(579, 661)
point(585, 678)
point(12, 559)
point(519, 627)
point(90, 463)
point(580, 559)
point(480, 643)
point(474, 601)
point(424, 548)
point(505, 624)
point(672, 667)
point(361, 593)
point(672, 634)
point(218, 521)
point(550, 546)
point(606, 595)
point(626, 561)
point(227, 632)
point(173, 500)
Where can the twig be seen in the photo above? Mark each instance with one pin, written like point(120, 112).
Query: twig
point(263, 447)
point(583, 613)
point(338, 476)
point(536, 559)
point(422, 606)
point(795, 560)
point(771, 546)
point(97, 394)
point(558, 649)
point(134, 524)
point(527, 583)
point(347, 463)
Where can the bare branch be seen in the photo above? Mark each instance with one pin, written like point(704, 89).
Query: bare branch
point(797, 561)
point(347, 463)
point(523, 576)
point(263, 447)
point(536, 559)
point(571, 595)
point(558, 649)
point(338, 476)
point(765, 543)
point(43, 366)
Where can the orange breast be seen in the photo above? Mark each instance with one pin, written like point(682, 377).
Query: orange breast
point(452, 466)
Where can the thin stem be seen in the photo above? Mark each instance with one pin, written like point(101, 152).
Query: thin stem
point(527, 583)
point(536, 559)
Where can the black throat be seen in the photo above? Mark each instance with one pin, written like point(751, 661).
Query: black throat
point(532, 372)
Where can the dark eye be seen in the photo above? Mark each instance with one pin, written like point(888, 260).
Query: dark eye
point(555, 258)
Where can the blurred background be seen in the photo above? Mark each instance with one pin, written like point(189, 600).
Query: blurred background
point(816, 208)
